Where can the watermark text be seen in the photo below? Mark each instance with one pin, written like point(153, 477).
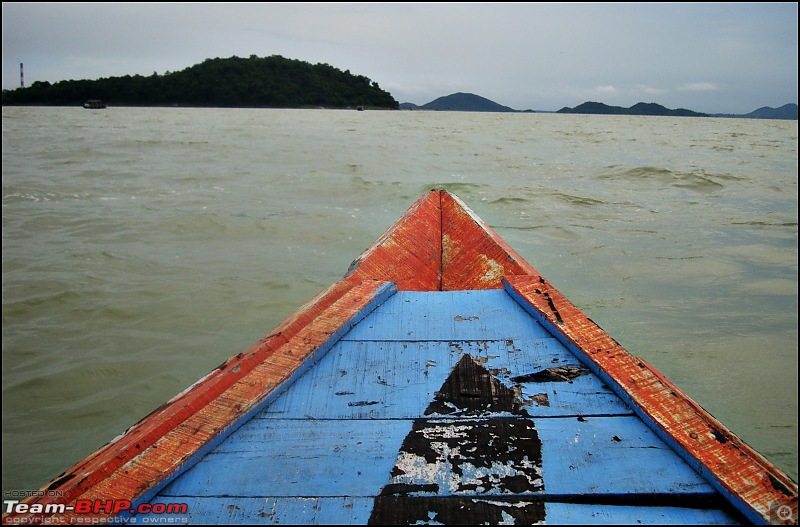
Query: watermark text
point(112, 509)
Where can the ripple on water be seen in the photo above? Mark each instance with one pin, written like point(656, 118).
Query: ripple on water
point(697, 180)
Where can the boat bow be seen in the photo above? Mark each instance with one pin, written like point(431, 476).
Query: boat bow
point(439, 244)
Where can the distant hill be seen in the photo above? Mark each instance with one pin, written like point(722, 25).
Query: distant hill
point(271, 82)
point(787, 111)
point(637, 109)
point(460, 102)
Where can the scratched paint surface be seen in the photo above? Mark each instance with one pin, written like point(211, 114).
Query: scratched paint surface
point(401, 424)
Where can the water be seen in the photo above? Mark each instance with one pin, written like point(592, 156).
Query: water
point(142, 247)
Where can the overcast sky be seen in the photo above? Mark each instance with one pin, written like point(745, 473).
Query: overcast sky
point(714, 57)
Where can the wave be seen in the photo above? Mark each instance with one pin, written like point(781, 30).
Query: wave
point(696, 180)
point(578, 200)
point(765, 224)
point(508, 201)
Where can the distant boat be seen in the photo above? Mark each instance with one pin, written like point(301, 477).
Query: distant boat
point(94, 104)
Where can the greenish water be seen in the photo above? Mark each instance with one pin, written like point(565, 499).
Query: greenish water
point(142, 247)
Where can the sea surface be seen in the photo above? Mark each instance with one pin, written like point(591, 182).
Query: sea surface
point(144, 246)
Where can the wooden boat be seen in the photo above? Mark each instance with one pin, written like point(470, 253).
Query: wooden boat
point(443, 380)
point(94, 104)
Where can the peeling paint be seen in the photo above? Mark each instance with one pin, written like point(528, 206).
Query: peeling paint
point(362, 403)
point(541, 399)
point(456, 510)
point(492, 448)
point(554, 374)
point(492, 270)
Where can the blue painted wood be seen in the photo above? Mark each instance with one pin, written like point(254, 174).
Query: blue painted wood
point(612, 455)
point(356, 511)
point(297, 457)
point(448, 315)
point(393, 380)
point(294, 457)
point(269, 511)
point(344, 432)
point(579, 514)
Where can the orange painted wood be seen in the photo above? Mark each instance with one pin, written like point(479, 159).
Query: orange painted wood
point(473, 255)
point(409, 253)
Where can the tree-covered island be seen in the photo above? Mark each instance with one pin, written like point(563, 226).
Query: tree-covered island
point(270, 82)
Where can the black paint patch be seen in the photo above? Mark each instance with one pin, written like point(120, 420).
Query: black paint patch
point(554, 374)
point(472, 390)
point(465, 456)
point(60, 481)
point(480, 460)
point(718, 435)
point(454, 510)
point(362, 403)
point(553, 308)
point(780, 486)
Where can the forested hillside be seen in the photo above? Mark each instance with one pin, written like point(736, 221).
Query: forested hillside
point(274, 82)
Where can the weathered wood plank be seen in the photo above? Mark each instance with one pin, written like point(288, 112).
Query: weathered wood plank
point(596, 456)
point(611, 455)
point(494, 511)
point(363, 380)
point(583, 514)
point(473, 255)
point(449, 315)
point(269, 511)
point(357, 510)
point(409, 252)
point(289, 457)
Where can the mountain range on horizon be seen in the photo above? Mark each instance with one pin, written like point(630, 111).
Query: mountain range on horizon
point(469, 102)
